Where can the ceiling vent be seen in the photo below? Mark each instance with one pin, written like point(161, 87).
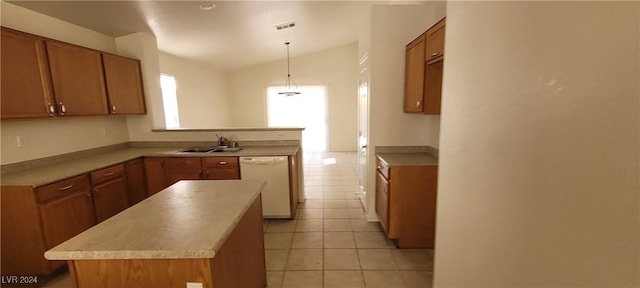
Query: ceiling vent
point(285, 26)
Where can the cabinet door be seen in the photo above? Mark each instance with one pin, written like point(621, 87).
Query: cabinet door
point(183, 168)
point(110, 198)
point(78, 79)
point(155, 174)
point(220, 168)
point(66, 217)
point(382, 201)
point(135, 181)
point(433, 69)
point(435, 41)
point(26, 86)
point(433, 88)
point(414, 76)
point(124, 85)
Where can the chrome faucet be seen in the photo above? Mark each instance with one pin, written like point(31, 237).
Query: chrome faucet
point(222, 141)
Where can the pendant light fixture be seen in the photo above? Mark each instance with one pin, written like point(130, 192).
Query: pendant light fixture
point(288, 91)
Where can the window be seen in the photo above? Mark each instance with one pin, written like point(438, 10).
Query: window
point(304, 110)
point(170, 101)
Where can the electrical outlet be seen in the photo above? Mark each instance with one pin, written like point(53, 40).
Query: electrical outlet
point(194, 285)
point(19, 141)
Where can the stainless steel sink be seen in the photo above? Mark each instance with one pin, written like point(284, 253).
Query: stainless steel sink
point(210, 149)
point(227, 149)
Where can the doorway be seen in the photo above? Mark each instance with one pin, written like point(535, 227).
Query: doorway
point(363, 129)
point(307, 109)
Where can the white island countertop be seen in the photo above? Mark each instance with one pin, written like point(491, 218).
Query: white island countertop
point(190, 219)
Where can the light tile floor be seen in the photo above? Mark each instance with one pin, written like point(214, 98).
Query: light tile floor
point(331, 244)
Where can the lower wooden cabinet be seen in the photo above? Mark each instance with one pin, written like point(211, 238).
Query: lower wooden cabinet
point(135, 181)
point(220, 168)
point(162, 172)
point(69, 213)
point(110, 191)
point(406, 203)
point(155, 175)
point(37, 219)
point(110, 198)
point(210, 168)
point(183, 168)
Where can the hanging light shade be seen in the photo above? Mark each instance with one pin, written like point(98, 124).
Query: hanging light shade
point(289, 91)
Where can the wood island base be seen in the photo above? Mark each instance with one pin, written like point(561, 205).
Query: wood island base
point(239, 263)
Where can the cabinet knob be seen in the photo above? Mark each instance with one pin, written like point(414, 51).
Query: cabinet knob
point(434, 54)
point(418, 104)
point(62, 109)
point(379, 167)
point(223, 162)
point(52, 110)
point(113, 108)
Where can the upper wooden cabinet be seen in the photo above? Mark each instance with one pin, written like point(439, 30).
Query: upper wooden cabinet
point(414, 76)
point(423, 71)
point(26, 86)
point(124, 84)
point(44, 78)
point(78, 80)
point(435, 42)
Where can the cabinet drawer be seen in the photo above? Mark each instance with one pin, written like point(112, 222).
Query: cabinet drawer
point(79, 184)
point(183, 163)
point(383, 168)
point(107, 174)
point(220, 162)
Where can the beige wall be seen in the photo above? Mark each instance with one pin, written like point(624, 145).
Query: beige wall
point(392, 27)
point(47, 137)
point(539, 148)
point(202, 93)
point(144, 46)
point(334, 68)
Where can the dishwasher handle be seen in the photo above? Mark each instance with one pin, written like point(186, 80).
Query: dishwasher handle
point(262, 160)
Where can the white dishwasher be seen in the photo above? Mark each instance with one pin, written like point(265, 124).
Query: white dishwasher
point(275, 170)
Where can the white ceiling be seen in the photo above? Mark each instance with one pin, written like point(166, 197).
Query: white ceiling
point(231, 36)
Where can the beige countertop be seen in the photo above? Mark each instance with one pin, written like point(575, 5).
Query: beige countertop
point(47, 174)
point(408, 159)
point(190, 219)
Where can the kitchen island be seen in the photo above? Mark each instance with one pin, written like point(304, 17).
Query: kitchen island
point(207, 232)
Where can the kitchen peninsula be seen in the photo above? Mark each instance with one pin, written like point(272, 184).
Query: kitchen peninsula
point(207, 232)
